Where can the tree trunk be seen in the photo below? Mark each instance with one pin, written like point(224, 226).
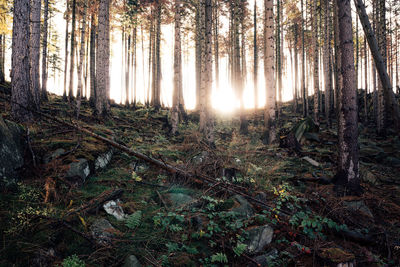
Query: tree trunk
point(66, 51)
point(44, 51)
point(103, 60)
point(216, 41)
point(92, 99)
point(34, 51)
point(134, 62)
point(241, 6)
point(296, 67)
point(21, 95)
point(316, 61)
point(303, 65)
point(127, 69)
point(269, 70)
point(255, 67)
point(393, 106)
point(81, 59)
point(2, 67)
point(348, 175)
point(327, 65)
point(177, 69)
point(72, 55)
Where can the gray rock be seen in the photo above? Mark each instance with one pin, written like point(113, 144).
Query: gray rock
point(178, 199)
point(200, 158)
point(359, 206)
point(265, 259)
point(245, 209)
point(50, 157)
point(114, 208)
point(258, 238)
point(131, 261)
point(103, 160)
point(102, 231)
point(12, 147)
point(79, 169)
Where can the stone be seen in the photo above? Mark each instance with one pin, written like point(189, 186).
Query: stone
point(311, 161)
point(12, 147)
point(245, 209)
point(79, 169)
point(258, 238)
point(50, 157)
point(103, 160)
point(102, 231)
point(200, 158)
point(178, 199)
point(131, 261)
point(359, 206)
point(114, 208)
point(265, 259)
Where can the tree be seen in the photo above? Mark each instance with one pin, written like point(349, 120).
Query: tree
point(21, 95)
point(269, 70)
point(103, 60)
point(348, 172)
point(315, 60)
point(327, 64)
point(34, 51)
point(44, 51)
point(72, 54)
point(81, 58)
point(255, 53)
point(92, 58)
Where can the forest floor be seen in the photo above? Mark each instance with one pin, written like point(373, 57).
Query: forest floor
point(291, 217)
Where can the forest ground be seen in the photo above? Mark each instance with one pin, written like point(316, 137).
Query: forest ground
point(175, 221)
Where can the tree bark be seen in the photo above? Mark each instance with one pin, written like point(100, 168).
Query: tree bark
point(303, 65)
point(177, 69)
point(269, 70)
point(92, 99)
point(315, 61)
point(348, 175)
point(34, 51)
point(327, 65)
point(255, 53)
point(21, 96)
point(81, 59)
point(44, 51)
point(72, 54)
point(103, 60)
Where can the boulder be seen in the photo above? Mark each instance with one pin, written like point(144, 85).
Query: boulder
point(102, 231)
point(114, 208)
point(103, 160)
point(12, 148)
point(79, 169)
point(131, 261)
point(245, 209)
point(50, 157)
point(258, 238)
point(358, 207)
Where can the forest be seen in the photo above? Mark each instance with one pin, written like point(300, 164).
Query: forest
point(199, 133)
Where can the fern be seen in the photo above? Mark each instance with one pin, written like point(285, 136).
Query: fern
point(133, 220)
point(239, 249)
point(219, 257)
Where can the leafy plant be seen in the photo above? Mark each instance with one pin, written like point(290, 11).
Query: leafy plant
point(134, 220)
point(219, 257)
point(73, 261)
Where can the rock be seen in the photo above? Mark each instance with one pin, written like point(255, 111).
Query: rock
point(50, 157)
point(311, 161)
point(245, 209)
point(258, 238)
point(265, 259)
point(79, 169)
point(200, 158)
point(102, 231)
point(114, 208)
point(12, 147)
point(131, 261)
point(178, 199)
point(103, 160)
point(360, 207)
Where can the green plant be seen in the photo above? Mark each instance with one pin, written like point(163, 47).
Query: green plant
point(219, 257)
point(73, 261)
point(134, 220)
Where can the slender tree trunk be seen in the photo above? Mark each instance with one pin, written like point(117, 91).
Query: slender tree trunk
point(21, 95)
point(81, 59)
point(365, 81)
point(34, 51)
point(269, 70)
point(151, 59)
point(103, 60)
point(338, 58)
point(255, 67)
point(2, 75)
point(241, 75)
point(296, 67)
point(198, 48)
point(216, 41)
point(316, 61)
point(92, 99)
point(127, 69)
point(72, 55)
point(348, 174)
point(327, 65)
point(390, 99)
point(303, 65)
point(134, 62)
point(177, 68)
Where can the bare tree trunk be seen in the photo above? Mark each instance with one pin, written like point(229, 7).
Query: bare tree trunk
point(103, 60)
point(303, 65)
point(348, 175)
point(327, 65)
point(269, 70)
point(34, 51)
point(66, 51)
point(72, 55)
point(366, 81)
point(296, 67)
point(216, 41)
point(393, 106)
point(177, 68)
point(92, 99)
point(21, 95)
point(255, 67)
point(44, 51)
point(134, 62)
point(316, 61)
point(127, 69)
point(81, 59)
point(2, 73)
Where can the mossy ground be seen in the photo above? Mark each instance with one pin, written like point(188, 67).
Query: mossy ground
point(167, 235)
